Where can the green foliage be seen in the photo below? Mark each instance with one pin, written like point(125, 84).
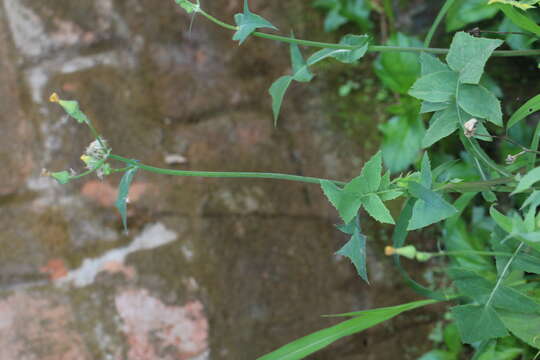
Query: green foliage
point(358, 46)
point(493, 260)
point(364, 190)
point(339, 12)
point(397, 70)
point(531, 106)
point(248, 22)
point(520, 19)
point(306, 345)
point(464, 12)
point(123, 191)
point(355, 248)
point(453, 92)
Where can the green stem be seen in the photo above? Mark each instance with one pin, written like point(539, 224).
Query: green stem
point(372, 48)
point(503, 274)
point(389, 12)
point(437, 21)
point(88, 172)
point(222, 174)
point(472, 252)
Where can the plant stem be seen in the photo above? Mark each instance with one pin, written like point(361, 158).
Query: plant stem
point(472, 252)
point(222, 174)
point(437, 21)
point(503, 274)
point(371, 48)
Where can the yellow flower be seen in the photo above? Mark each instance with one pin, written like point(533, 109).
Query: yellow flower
point(54, 98)
point(389, 250)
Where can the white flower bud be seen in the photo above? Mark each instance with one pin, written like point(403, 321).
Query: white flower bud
point(470, 127)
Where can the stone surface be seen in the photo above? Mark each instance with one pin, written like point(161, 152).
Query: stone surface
point(211, 268)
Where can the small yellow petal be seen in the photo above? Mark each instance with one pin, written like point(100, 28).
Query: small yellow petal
point(54, 98)
point(389, 250)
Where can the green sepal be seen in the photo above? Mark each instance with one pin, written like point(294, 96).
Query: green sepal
point(63, 177)
point(71, 107)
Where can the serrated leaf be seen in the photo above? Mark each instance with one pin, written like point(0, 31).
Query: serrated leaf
point(123, 191)
point(428, 106)
point(401, 141)
point(531, 106)
point(430, 64)
point(478, 323)
point(347, 204)
point(277, 91)
point(468, 56)
point(370, 177)
point(442, 124)
point(355, 250)
point(435, 87)
point(248, 22)
point(376, 209)
point(430, 207)
point(527, 181)
point(71, 107)
point(479, 102)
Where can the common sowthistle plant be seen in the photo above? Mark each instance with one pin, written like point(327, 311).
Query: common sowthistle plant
point(495, 265)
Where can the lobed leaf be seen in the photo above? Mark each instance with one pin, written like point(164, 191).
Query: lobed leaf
point(478, 323)
point(370, 177)
point(376, 209)
point(428, 106)
point(478, 101)
point(443, 123)
point(248, 22)
point(346, 203)
point(430, 207)
point(435, 87)
point(355, 250)
point(468, 56)
point(430, 64)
